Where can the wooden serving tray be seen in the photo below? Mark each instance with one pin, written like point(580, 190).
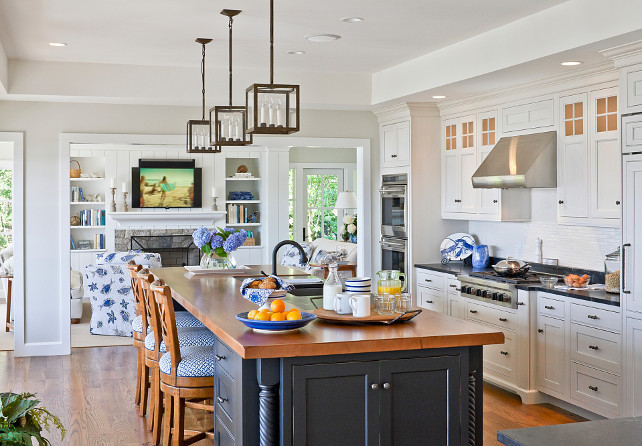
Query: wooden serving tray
point(328, 315)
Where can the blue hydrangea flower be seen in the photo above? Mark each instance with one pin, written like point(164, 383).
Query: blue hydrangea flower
point(201, 237)
point(234, 241)
point(217, 241)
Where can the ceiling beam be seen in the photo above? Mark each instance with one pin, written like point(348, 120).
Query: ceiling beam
point(561, 28)
point(4, 70)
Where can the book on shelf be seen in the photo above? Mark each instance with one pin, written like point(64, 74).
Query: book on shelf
point(92, 217)
point(239, 214)
point(99, 241)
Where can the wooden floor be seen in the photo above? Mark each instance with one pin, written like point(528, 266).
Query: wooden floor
point(92, 391)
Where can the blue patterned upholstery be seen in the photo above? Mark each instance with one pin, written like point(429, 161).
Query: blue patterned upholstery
point(137, 324)
point(187, 337)
point(195, 362)
point(110, 292)
point(292, 257)
point(185, 319)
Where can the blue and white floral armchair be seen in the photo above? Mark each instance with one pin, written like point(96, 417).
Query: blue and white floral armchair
point(110, 291)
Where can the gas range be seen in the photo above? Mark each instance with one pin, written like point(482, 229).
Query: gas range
point(488, 286)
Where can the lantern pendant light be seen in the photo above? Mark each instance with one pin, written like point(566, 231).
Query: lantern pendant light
point(228, 122)
point(272, 109)
point(198, 137)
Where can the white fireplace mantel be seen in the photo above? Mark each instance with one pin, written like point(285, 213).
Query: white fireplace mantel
point(140, 220)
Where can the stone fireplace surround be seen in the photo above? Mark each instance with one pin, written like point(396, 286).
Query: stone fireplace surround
point(157, 240)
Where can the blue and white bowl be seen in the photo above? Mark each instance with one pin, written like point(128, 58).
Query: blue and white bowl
point(358, 281)
point(358, 289)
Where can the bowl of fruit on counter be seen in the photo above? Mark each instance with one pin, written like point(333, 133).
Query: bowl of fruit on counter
point(276, 318)
point(575, 281)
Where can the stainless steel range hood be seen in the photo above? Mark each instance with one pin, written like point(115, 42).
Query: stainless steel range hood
point(520, 161)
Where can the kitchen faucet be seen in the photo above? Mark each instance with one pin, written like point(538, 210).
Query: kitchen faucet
point(304, 258)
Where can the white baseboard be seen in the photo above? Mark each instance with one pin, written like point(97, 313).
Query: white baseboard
point(43, 349)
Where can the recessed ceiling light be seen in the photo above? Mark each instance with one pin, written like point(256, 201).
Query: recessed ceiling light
point(57, 44)
point(438, 96)
point(351, 19)
point(322, 37)
point(297, 53)
point(571, 63)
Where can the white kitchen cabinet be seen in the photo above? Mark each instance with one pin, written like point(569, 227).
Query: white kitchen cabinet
point(632, 134)
point(596, 390)
point(551, 356)
point(631, 89)
point(532, 115)
point(633, 370)
point(487, 125)
point(632, 234)
point(459, 161)
point(572, 158)
point(396, 144)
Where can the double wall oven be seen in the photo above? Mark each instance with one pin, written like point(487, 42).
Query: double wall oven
point(394, 222)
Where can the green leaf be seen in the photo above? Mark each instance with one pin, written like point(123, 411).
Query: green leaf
point(206, 248)
point(221, 252)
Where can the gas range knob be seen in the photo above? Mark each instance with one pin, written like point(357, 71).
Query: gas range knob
point(495, 296)
point(501, 297)
point(478, 293)
point(471, 290)
point(484, 293)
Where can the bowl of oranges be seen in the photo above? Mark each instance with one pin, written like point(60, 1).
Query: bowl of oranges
point(276, 318)
point(575, 281)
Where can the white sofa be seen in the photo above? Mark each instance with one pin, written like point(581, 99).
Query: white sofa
point(76, 294)
point(317, 252)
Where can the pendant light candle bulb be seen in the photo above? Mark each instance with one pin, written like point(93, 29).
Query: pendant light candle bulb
point(279, 116)
point(263, 110)
point(271, 113)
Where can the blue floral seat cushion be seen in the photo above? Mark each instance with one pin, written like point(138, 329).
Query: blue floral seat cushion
point(187, 337)
point(292, 257)
point(195, 362)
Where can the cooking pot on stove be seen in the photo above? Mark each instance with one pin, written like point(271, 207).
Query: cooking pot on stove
point(511, 267)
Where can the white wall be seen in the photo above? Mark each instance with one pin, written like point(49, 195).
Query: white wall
point(575, 246)
point(43, 123)
point(322, 155)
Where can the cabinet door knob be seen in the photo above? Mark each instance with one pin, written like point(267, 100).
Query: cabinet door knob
point(593, 347)
point(521, 303)
point(494, 201)
point(592, 316)
point(539, 330)
point(503, 319)
point(504, 353)
point(617, 202)
point(561, 202)
point(221, 400)
point(549, 307)
point(593, 388)
point(473, 311)
point(219, 357)
point(386, 386)
point(374, 386)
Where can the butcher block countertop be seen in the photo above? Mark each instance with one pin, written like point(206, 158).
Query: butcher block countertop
point(215, 299)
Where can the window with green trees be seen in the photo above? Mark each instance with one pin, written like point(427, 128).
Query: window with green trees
point(6, 207)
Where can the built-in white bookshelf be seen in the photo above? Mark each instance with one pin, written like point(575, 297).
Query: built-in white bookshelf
point(240, 211)
point(87, 198)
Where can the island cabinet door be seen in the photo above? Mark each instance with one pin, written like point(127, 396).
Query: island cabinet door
point(336, 404)
point(420, 401)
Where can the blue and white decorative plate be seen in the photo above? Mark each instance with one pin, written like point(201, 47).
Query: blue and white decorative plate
point(276, 326)
point(458, 246)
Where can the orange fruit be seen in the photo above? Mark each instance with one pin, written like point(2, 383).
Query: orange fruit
point(252, 314)
point(263, 310)
point(277, 317)
point(262, 316)
point(294, 316)
point(277, 306)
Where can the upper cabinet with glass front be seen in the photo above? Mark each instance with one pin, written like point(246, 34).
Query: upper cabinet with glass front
point(589, 171)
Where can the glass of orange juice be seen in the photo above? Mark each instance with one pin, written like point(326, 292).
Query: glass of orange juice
point(391, 287)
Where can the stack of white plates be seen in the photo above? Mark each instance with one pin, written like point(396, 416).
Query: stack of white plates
point(358, 285)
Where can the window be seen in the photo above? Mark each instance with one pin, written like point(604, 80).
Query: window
point(488, 132)
point(292, 203)
point(574, 119)
point(322, 191)
point(606, 114)
point(451, 137)
point(6, 207)
point(467, 135)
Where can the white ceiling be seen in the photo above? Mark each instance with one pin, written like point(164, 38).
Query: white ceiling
point(162, 32)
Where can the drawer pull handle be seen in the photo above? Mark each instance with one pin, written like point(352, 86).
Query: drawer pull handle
point(592, 316)
point(593, 388)
point(504, 353)
point(452, 286)
point(221, 400)
point(473, 311)
point(219, 357)
point(457, 201)
point(427, 280)
point(503, 319)
point(521, 303)
point(374, 386)
point(393, 156)
point(386, 386)
point(457, 289)
point(429, 301)
point(593, 347)
point(549, 307)
point(539, 330)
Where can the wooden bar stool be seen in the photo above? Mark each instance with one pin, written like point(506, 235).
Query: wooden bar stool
point(139, 328)
point(186, 375)
point(155, 347)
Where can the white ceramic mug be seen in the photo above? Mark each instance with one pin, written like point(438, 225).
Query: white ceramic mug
point(342, 303)
point(360, 305)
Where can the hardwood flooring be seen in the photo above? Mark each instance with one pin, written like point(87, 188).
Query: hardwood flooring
point(92, 391)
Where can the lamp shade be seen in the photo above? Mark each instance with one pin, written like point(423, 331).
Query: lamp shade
point(346, 200)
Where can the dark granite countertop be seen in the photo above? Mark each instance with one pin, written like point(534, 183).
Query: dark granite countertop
point(619, 431)
point(597, 296)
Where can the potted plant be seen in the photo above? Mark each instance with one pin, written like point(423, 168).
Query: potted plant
point(218, 246)
point(21, 421)
point(349, 228)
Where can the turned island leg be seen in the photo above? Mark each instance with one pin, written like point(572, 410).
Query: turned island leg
point(267, 372)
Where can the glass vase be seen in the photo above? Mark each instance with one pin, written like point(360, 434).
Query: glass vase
point(481, 256)
point(214, 261)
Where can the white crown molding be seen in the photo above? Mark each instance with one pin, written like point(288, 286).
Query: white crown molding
point(624, 55)
point(592, 75)
point(406, 110)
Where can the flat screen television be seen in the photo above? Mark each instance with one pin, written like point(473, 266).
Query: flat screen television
point(166, 184)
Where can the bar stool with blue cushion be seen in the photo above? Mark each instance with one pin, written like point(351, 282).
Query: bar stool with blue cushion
point(141, 325)
point(155, 347)
point(186, 376)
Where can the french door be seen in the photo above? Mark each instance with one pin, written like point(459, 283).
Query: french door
point(316, 216)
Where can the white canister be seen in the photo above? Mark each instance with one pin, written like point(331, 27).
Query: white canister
point(342, 303)
point(360, 305)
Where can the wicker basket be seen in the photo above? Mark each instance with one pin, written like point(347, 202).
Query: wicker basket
point(250, 241)
point(75, 173)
